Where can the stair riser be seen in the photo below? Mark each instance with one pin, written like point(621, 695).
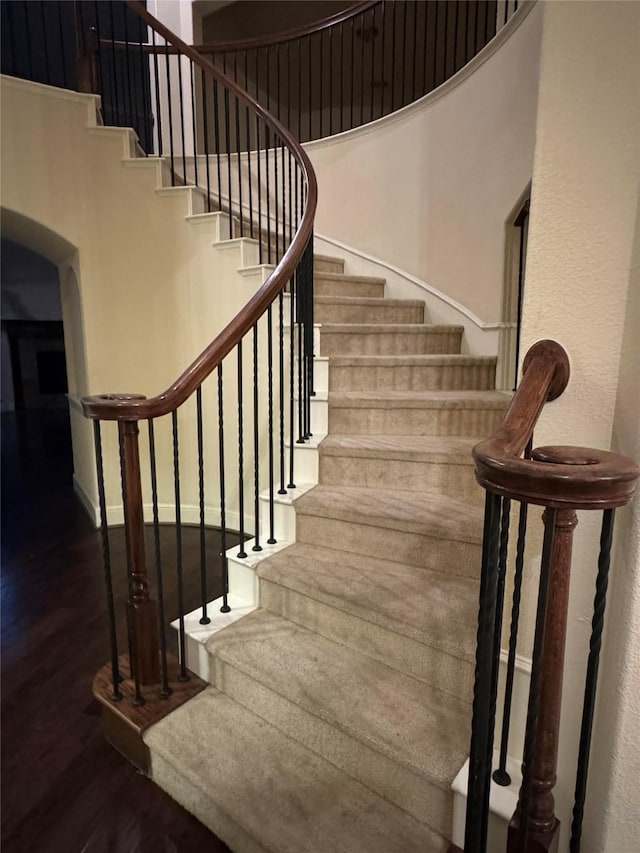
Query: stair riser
point(415, 549)
point(394, 781)
point(331, 287)
point(358, 420)
point(384, 343)
point(368, 313)
point(321, 265)
point(433, 666)
point(477, 377)
point(414, 476)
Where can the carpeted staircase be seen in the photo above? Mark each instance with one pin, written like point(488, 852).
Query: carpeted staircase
point(339, 711)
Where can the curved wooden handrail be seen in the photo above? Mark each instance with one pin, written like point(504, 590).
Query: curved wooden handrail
point(297, 32)
point(560, 477)
point(122, 407)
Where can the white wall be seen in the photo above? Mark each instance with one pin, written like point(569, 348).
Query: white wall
point(429, 189)
point(579, 290)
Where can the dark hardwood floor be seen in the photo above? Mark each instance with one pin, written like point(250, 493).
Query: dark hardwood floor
point(64, 789)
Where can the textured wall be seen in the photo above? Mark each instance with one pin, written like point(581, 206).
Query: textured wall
point(579, 290)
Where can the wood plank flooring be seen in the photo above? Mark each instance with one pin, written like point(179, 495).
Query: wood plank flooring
point(64, 789)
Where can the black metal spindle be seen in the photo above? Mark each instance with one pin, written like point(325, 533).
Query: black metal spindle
point(45, 39)
point(241, 553)
point(223, 504)
point(205, 131)
point(321, 80)
point(240, 205)
point(101, 86)
point(63, 52)
point(435, 46)
point(27, 26)
point(131, 122)
point(282, 490)
point(342, 65)
point(299, 43)
point(310, 88)
point(256, 443)
point(403, 54)
point(331, 81)
point(267, 190)
point(362, 40)
point(352, 76)
point(156, 80)
point(148, 137)
point(383, 70)
point(588, 709)
point(192, 77)
point(445, 64)
point(227, 139)
point(272, 539)
point(165, 689)
point(501, 776)
point(204, 619)
point(276, 227)
point(116, 696)
point(259, 158)
point(114, 71)
point(182, 133)
point(179, 566)
point(425, 48)
point(249, 173)
point(216, 130)
point(170, 110)
point(476, 21)
point(481, 730)
point(455, 37)
point(13, 65)
point(373, 57)
point(531, 732)
point(415, 50)
point(394, 8)
point(289, 82)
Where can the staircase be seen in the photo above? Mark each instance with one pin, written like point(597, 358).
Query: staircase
point(339, 711)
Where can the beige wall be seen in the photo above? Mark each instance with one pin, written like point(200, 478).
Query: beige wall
point(580, 290)
point(429, 189)
point(143, 289)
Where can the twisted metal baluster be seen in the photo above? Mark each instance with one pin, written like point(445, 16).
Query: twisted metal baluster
point(604, 561)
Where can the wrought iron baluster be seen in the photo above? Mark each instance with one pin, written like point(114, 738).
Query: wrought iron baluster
point(595, 642)
point(165, 689)
point(179, 565)
point(223, 505)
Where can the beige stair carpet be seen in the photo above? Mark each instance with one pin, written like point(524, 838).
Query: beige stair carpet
point(341, 708)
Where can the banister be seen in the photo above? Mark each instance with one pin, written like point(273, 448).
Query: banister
point(130, 407)
point(297, 32)
point(559, 477)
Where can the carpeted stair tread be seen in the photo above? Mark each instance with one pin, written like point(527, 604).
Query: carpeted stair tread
point(410, 722)
point(438, 515)
point(356, 279)
point(388, 328)
point(419, 360)
point(453, 450)
point(369, 301)
point(262, 792)
point(432, 608)
point(419, 399)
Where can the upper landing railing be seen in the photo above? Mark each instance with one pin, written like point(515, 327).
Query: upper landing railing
point(360, 64)
point(562, 480)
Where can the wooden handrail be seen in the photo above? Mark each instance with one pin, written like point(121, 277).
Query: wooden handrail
point(297, 32)
point(558, 477)
point(125, 407)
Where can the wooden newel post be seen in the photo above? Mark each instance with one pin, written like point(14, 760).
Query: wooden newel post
point(142, 615)
point(543, 824)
